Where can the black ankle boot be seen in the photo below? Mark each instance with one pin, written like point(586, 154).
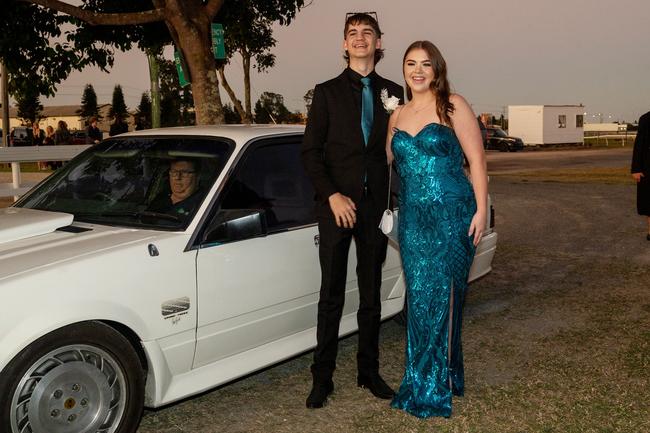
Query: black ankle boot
point(376, 385)
point(319, 392)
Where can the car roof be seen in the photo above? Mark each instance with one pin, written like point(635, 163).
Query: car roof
point(239, 133)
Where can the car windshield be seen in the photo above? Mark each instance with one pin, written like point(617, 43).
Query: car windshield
point(151, 182)
point(499, 132)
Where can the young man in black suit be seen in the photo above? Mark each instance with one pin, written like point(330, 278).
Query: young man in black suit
point(344, 155)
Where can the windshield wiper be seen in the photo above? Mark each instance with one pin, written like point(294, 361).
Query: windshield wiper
point(133, 214)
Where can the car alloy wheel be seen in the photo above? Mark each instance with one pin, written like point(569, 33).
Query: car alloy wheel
point(79, 387)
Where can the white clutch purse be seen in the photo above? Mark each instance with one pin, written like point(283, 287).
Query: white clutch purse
point(388, 224)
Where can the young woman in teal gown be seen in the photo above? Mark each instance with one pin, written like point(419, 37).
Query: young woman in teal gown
point(442, 218)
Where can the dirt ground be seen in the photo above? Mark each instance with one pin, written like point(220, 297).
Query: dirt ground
point(556, 338)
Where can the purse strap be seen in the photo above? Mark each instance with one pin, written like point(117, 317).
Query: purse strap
point(390, 175)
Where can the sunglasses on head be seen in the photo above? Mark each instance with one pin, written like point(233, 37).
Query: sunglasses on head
point(371, 14)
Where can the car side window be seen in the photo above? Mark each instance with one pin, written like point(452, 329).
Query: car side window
point(269, 179)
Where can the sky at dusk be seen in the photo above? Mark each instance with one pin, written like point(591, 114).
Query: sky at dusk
point(498, 53)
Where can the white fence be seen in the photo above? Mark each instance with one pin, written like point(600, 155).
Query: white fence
point(16, 155)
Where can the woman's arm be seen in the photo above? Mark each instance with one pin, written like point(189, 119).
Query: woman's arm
point(469, 135)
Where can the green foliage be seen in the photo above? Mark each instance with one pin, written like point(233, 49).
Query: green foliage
point(248, 27)
point(89, 106)
point(42, 47)
point(118, 109)
point(230, 115)
point(270, 108)
point(29, 107)
point(39, 54)
point(176, 107)
point(143, 114)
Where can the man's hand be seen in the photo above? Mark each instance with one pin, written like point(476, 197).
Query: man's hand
point(344, 210)
point(637, 177)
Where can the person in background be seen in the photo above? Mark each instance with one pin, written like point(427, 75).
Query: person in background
point(38, 136)
point(47, 141)
point(641, 168)
point(62, 135)
point(49, 136)
point(93, 134)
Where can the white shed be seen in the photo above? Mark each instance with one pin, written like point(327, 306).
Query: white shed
point(546, 124)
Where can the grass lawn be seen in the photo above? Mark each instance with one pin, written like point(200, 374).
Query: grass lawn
point(610, 176)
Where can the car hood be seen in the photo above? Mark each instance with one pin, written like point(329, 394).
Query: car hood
point(31, 240)
point(21, 223)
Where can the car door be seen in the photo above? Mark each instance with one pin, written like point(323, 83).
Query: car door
point(258, 282)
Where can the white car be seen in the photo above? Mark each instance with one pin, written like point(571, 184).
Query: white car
point(112, 303)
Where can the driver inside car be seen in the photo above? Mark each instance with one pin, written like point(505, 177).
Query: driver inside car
point(184, 195)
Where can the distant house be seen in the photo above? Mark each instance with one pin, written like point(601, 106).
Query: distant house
point(68, 113)
point(605, 127)
point(52, 115)
point(547, 124)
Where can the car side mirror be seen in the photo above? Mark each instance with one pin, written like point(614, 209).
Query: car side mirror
point(231, 225)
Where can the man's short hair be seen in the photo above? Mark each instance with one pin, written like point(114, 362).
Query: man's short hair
point(196, 163)
point(353, 18)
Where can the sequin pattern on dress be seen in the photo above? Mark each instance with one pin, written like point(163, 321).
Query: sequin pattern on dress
point(436, 206)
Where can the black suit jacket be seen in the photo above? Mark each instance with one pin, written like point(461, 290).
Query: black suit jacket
point(641, 155)
point(333, 151)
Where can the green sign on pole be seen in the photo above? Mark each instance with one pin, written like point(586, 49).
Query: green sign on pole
point(218, 46)
point(179, 69)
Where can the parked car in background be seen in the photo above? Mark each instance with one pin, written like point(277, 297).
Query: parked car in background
point(21, 136)
point(118, 302)
point(483, 129)
point(79, 137)
point(497, 139)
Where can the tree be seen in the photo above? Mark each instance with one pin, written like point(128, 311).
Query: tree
point(248, 31)
point(143, 112)
point(175, 102)
point(270, 108)
point(230, 115)
point(188, 23)
point(118, 109)
point(29, 106)
point(89, 106)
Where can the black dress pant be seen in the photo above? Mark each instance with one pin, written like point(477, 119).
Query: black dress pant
point(333, 251)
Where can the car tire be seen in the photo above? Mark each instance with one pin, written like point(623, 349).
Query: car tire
point(503, 147)
point(82, 377)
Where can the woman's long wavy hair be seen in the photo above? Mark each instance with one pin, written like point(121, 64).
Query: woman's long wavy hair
point(440, 84)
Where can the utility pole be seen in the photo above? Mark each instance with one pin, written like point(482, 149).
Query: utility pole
point(154, 77)
point(4, 91)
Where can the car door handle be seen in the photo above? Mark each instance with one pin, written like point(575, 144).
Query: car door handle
point(317, 240)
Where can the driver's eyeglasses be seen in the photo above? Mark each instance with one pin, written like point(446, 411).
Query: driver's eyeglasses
point(182, 174)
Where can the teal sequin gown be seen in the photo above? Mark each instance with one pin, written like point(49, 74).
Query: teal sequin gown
point(435, 210)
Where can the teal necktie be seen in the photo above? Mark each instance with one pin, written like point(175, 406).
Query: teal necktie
point(366, 108)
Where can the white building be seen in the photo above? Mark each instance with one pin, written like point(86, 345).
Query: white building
point(606, 127)
point(546, 124)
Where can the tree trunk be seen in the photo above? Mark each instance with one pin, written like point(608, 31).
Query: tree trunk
point(190, 29)
point(236, 102)
point(246, 61)
point(154, 75)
